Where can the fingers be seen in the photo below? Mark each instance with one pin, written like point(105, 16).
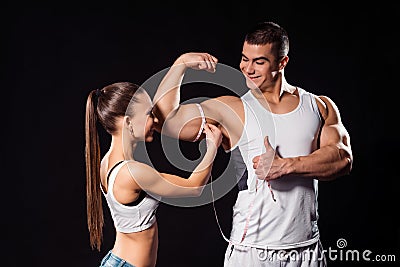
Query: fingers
point(207, 129)
point(209, 63)
point(212, 127)
point(200, 61)
point(256, 159)
point(213, 133)
point(212, 63)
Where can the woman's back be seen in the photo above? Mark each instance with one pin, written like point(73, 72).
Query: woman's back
point(134, 215)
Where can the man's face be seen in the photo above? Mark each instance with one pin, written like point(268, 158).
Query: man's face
point(258, 64)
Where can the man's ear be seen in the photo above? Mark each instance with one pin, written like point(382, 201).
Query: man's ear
point(283, 62)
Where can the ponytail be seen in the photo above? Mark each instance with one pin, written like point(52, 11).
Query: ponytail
point(103, 106)
point(95, 218)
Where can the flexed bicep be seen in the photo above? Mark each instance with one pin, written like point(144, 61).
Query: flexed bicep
point(184, 123)
point(333, 132)
point(188, 120)
point(176, 119)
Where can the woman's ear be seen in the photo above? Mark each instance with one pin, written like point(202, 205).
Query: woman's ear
point(128, 125)
point(127, 122)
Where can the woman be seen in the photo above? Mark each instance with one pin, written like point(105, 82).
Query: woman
point(132, 189)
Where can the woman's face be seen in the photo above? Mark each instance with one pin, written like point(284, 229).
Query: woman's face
point(143, 119)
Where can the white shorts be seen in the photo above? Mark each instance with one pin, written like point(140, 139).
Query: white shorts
point(243, 256)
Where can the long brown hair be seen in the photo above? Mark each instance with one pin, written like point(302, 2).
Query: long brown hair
point(104, 106)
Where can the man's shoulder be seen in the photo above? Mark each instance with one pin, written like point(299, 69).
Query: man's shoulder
point(229, 99)
point(234, 103)
point(223, 107)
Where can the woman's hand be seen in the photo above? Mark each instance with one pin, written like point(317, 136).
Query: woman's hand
point(213, 136)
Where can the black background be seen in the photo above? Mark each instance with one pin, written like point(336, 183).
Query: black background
point(55, 53)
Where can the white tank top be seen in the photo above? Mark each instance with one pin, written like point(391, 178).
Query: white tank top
point(130, 218)
point(291, 221)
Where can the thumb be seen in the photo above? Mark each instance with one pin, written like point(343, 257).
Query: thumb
point(266, 142)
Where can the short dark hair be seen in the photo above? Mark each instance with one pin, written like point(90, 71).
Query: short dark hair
point(268, 32)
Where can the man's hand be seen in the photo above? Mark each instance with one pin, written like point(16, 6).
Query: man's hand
point(269, 165)
point(198, 61)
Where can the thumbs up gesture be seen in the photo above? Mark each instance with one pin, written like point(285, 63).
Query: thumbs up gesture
point(269, 165)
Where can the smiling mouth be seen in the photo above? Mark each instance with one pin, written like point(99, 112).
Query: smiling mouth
point(253, 78)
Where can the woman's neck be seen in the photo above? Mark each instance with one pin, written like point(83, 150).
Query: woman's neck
point(122, 147)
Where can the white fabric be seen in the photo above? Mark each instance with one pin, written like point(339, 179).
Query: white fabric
point(291, 221)
point(128, 219)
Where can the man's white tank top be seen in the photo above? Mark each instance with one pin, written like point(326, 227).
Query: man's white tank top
point(291, 221)
point(136, 217)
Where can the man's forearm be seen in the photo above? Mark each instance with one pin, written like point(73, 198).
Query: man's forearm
point(325, 164)
point(178, 120)
point(167, 97)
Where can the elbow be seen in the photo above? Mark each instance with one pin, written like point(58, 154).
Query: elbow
point(348, 167)
point(197, 191)
point(341, 169)
point(347, 157)
point(344, 169)
point(346, 162)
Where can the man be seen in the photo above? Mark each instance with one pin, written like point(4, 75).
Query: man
point(283, 140)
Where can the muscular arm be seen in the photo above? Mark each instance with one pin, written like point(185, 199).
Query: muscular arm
point(332, 159)
point(175, 120)
point(184, 121)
